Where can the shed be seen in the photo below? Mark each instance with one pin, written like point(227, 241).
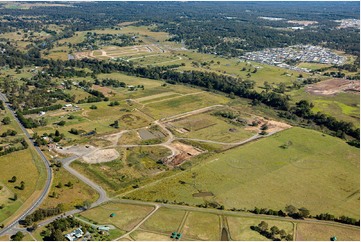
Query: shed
point(333, 238)
point(103, 228)
point(112, 215)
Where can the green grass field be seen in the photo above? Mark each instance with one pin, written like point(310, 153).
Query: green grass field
point(183, 104)
point(241, 174)
point(342, 106)
point(126, 216)
point(26, 166)
point(69, 197)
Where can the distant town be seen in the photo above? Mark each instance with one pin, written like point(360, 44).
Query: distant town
point(297, 53)
point(349, 23)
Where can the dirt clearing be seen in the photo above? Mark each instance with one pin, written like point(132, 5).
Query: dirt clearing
point(100, 156)
point(78, 150)
point(334, 86)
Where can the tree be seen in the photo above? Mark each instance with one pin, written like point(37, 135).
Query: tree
point(93, 107)
point(18, 236)
point(6, 120)
point(263, 226)
point(60, 185)
point(13, 179)
point(57, 235)
point(86, 204)
point(282, 233)
point(22, 185)
point(290, 209)
point(274, 230)
point(57, 133)
point(303, 212)
point(289, 237)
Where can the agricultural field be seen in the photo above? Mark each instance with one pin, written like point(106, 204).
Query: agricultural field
point(243, 172)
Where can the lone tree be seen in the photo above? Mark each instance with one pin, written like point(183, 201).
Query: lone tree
point(263, 226)
point(22, 185)
point(13, 179)
point(303, 212)
point(290, 209)
point(18, 236)
point(6, 120)
point(274, 230)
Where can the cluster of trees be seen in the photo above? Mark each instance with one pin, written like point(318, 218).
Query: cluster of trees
point(273, 233)
point(110, 82)
point(303, 110)
point(342, 219)
point(41, 214)
point(8, 132)
point(44, 109)
point(290, 211)
point(14, 146)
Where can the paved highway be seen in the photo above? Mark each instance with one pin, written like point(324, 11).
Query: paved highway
point(49, 174)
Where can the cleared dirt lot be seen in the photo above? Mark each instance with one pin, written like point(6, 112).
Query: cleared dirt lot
point(99, 156)
point(78, 150)
point(334, 86)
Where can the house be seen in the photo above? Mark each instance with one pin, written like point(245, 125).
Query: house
point(76, 234)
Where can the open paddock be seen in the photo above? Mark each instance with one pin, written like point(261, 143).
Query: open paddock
point(140, 235)
point(242, 173)
point(165, 220)
point(209, 127)
point(316, 232)
point(240, 230)
point(126, 216)
point(182, 104)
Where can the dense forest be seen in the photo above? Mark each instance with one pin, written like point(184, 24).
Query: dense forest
point(226, 28)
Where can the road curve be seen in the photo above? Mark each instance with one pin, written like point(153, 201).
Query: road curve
point(102, 193)
point(48, 172)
